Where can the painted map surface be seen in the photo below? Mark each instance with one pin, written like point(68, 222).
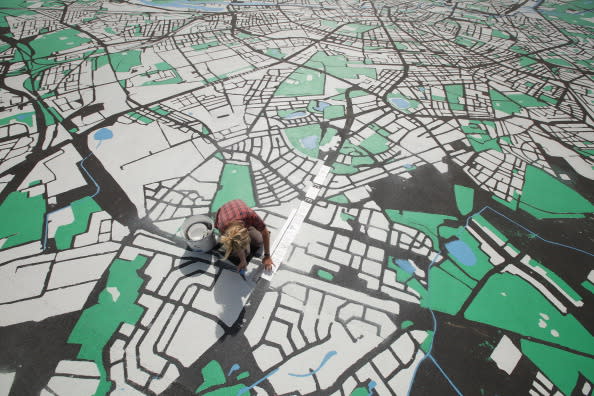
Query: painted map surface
point(425, 168)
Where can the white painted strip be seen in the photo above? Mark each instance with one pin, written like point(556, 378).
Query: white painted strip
point(293, 224)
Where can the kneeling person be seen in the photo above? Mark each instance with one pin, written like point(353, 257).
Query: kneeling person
point(243, 234)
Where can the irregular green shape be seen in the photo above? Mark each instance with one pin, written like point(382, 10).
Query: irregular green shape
point(508, 302)
point(428, 223)
point(243, 375)
point(159, 110)
point(333, 112)
point(302, 82)
point(454, 93)
point(426, 345)
point(338, 66)
point(548, 99)
point(466, 42)
point(275, 53)
point(556, 279)
point(305, 139)
point(26, 118)
point(235, 183)
point(464, 199)
point(202, 46)
point(446, 293)
point(558, 62)
point(176, 79)
point(48, 44)
point(503, 103)
point(340, 198)
point(325, 275)
point(139, 117)
point(561, 367)
point(499, 34)
point(360, 391)
point(526, 100)
point(545, 197)
point(22, 218)
point(346, 217)
point(125, 60)
point(526, 61)
point(456, 272)
point(588, 286)
point(212, 375)
point(406, 324)
point(99, 322)
point(343, 169)
point(82, 210)
point(375, 144)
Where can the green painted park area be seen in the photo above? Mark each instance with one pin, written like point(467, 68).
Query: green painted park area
point(235, 183)
point(115, 305)
point(82, 210)
point(22, 218)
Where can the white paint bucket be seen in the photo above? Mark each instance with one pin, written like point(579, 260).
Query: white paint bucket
point(198, 233)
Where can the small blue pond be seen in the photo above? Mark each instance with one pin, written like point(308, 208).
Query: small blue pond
point(310, 142)
point(321, 106)
point(461, 252)
point(400, 103)
point(406, 265)
point(103, 134)
point(296, 114)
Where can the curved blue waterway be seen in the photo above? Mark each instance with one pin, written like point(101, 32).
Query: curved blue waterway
point(247, 388)
point(324, 361)
point(371, 387)
point(400, 103)
point(405, 265)
point(310, 142)
point(461, 252)
point(234, 368)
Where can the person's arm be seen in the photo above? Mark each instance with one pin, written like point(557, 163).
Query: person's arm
point(267, 260)
point(242, 260)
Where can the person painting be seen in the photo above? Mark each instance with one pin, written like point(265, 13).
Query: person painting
point(243, 234)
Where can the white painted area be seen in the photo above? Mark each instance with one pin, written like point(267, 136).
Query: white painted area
point(586, 389)
point(554, 333)
point(73, 386)
point(348, 352)
point(582, 166)
point(542, 324)
point(68, 176)
point(6, 380)
point(19, 281)
point(82, 269)
point(58, 218)
point(194, 336)
point(226, 299)
point(115, 293)
point(257, 327)
point(84, 368)
point(506, 355)
point(400, 382)
point(591, 276)
point(293, 224)
point(52, 303)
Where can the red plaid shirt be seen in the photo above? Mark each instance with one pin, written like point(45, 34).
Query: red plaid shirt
point(238, 210)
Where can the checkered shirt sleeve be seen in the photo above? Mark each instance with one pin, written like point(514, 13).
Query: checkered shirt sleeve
point(238, 210)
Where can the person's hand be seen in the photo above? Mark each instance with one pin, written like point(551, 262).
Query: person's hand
point(267, 262)
point(242, 265)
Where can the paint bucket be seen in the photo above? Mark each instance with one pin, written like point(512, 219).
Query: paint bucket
point(198, 233)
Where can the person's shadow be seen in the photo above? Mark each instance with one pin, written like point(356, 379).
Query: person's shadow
point(228, 294)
